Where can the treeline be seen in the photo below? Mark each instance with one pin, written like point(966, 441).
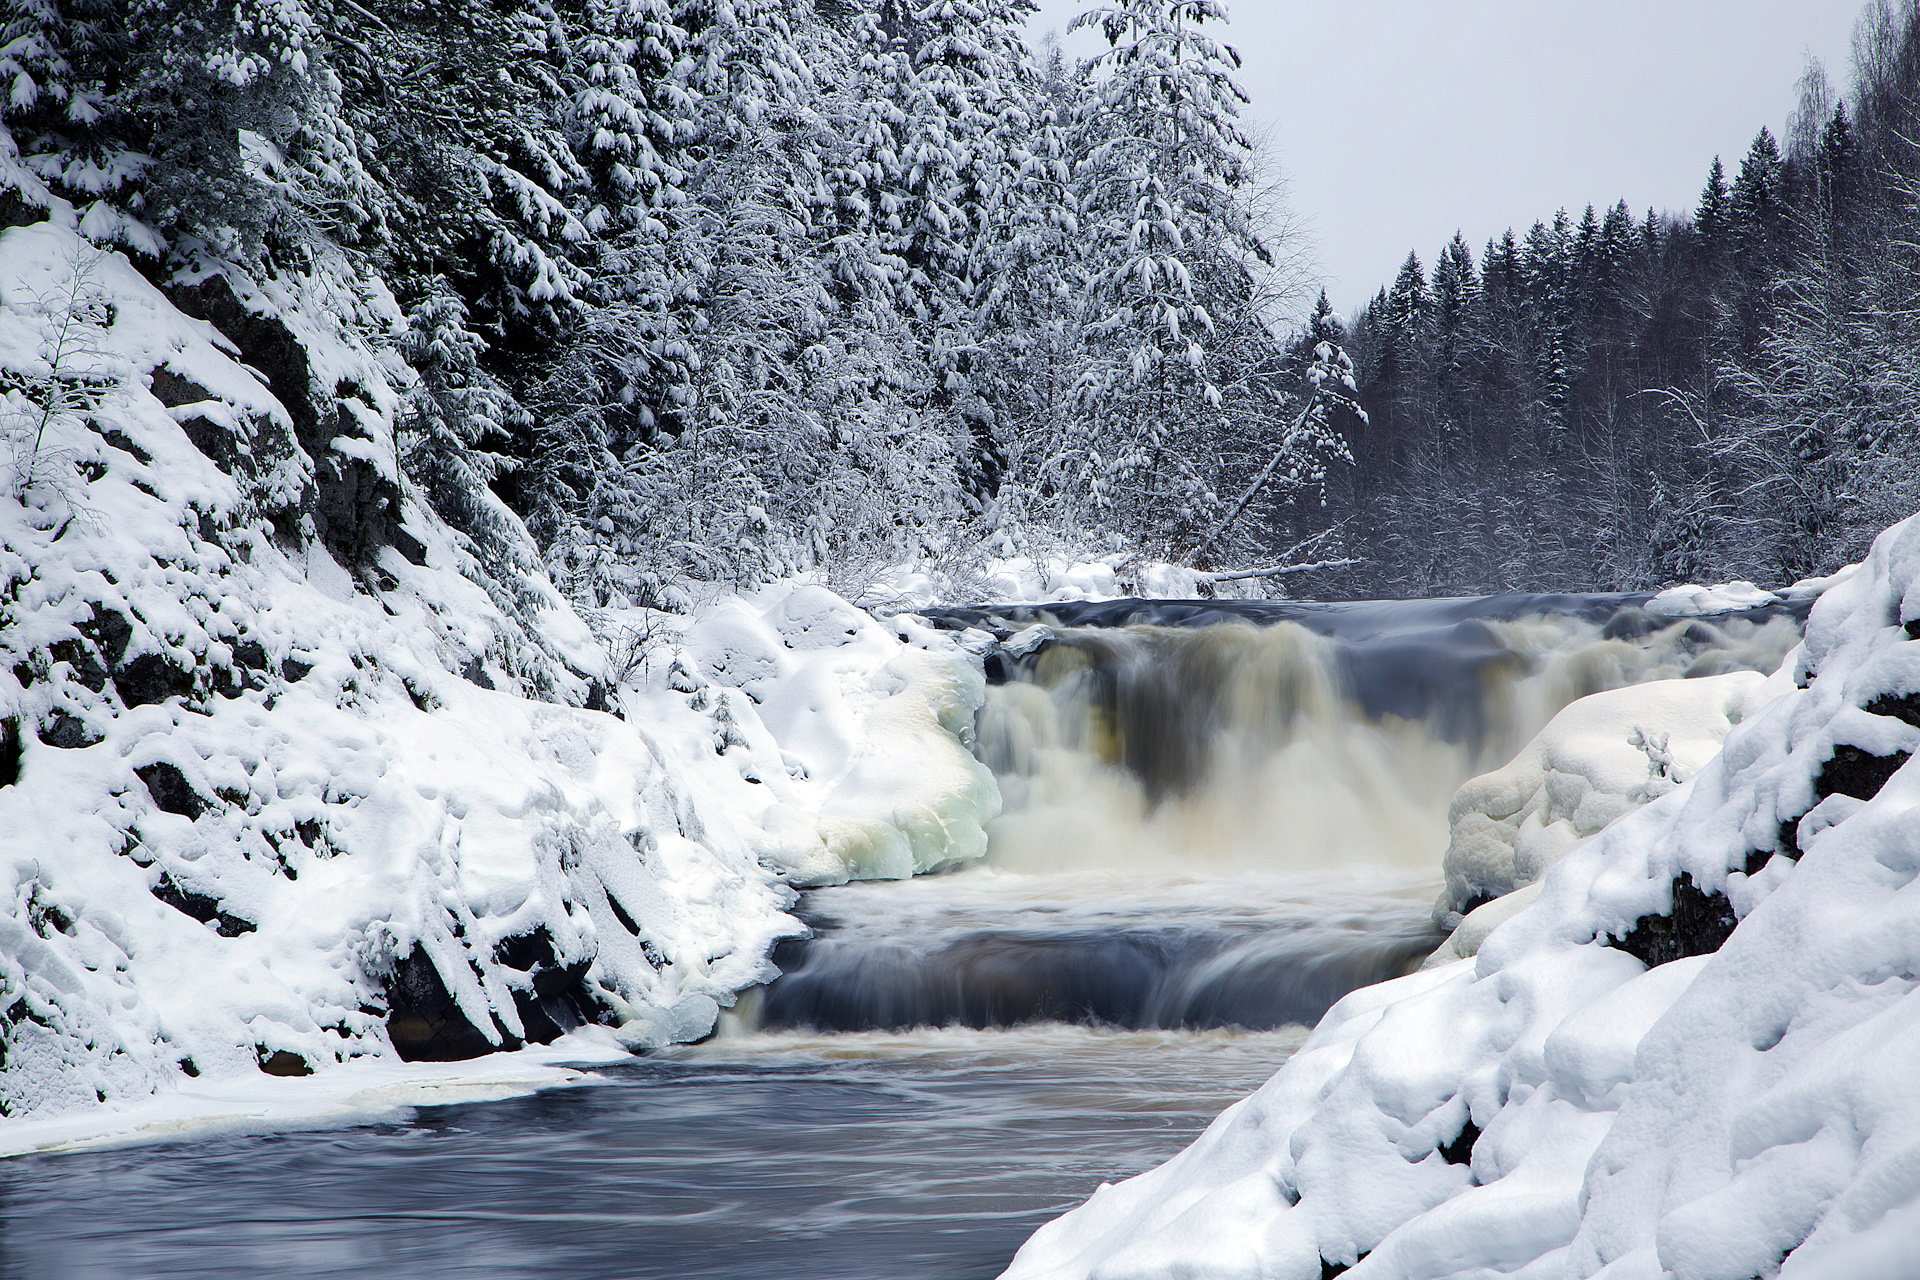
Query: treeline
point(1622, 400)
point(726, 288)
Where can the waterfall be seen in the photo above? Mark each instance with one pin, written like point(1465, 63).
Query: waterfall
point(1224, 818)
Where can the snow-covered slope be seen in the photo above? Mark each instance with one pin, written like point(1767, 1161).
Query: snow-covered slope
point(294, 774)
point(1693, 1056)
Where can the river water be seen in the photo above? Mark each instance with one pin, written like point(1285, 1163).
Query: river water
point(1213, 832)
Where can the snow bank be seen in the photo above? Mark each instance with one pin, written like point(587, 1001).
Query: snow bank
point(294, 775)
point(1557, 1107)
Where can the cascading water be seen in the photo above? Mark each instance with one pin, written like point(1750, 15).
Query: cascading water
point(1220, 823)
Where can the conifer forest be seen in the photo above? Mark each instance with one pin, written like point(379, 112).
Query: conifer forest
point(721, 289)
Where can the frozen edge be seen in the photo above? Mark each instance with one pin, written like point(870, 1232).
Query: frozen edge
point(362, 1093)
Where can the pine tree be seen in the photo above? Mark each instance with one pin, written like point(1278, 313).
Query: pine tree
point(1164, 167)
point(1711, 218)
point(1756, 208)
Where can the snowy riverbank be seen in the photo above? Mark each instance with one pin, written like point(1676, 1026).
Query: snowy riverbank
point(298, 777)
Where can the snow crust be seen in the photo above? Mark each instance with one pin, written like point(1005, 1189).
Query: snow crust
point(1554, 1108)
point(253, 780)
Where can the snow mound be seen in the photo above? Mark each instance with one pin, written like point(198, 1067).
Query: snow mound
point(1600, 758)
point(294, 775)
point(854, 734)
point(1692, 1056)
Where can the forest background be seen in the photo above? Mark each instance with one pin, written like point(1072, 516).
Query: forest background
point(711, 291)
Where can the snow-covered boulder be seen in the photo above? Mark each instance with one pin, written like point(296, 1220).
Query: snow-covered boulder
point(1600, 758)
point(854, 733)
point(1692, 1056)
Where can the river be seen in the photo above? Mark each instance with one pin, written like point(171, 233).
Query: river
point(1212, 833)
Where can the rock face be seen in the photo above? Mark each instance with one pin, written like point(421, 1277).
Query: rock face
point(1697, 924)
point(330, 781)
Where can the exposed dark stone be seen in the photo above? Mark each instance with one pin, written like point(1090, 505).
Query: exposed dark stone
point(355, 509)
point(216, 442)
point(477, 674)
point(201, 907)
point(17, 211)
point(620, 914)
point(281, 1062)
point(1460, 1150)
point(83, 661)
point(1330, 1269)
point(561, 999)
point(423, 1021)
point(110, 631)
point(268, 345)
point(1905, 707)
point(1853, 772)
point(151, 678)
point(190, 1067)
point(11, 751)
point(124, 443)
point(171, 790)
point(70, 733)
point(173, 389)
point(409, 546)
point(1786, 845)
point(1474, 903)
point(250, 655)
point(1699, 924)
point(293, 671)
point(596, 697)
point(1912, 628)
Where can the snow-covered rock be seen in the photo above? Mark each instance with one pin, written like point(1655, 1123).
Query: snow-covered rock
point(1600, 758)
point(294, 774)
point(1554, 1107)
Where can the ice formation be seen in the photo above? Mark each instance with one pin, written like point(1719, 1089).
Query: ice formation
point(1691, 1056)
point(292, 773)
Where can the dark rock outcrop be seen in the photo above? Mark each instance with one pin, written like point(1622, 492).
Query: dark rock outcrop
point(11, 751)
point(281, 1062)
point(170, 789)
point(1860, 774)
point(423, 1020)
point(202, 907)
point(559, 998)
point(1699, 923)
point(1460, 1150)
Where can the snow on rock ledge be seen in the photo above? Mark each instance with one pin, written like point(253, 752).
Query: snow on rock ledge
point(1555, 1107)
point(293, 775)
point(1600, 758)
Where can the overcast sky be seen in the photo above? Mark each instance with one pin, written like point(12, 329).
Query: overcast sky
point(1397, 122)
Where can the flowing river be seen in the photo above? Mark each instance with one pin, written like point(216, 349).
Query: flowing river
point(1219, 819)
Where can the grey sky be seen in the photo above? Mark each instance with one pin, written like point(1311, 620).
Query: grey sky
point(1397, 122)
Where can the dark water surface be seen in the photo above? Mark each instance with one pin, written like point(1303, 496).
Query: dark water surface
point(916, 1157)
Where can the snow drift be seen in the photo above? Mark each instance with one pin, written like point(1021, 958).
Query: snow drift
point(293, 773)
point(1691, 1056)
